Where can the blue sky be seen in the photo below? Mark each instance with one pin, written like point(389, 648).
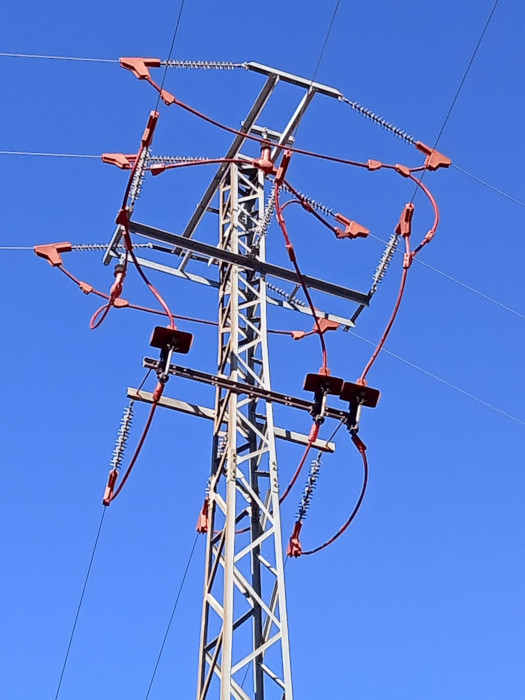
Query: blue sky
point(423, 598)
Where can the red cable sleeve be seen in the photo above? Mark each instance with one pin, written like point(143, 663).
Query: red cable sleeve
point(352, 514)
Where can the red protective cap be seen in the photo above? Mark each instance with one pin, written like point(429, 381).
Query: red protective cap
point(358, 443)
point(147, 136)
point(298, 335)
point(139, 66)
point(121, 160)
point(167, 97)
point(123, 217)
point(434, 159)
point(202, 521)
point(157, 169)
point(281, 172)
point(325, 325)
point(108, 493)
point(294, 545)
point(404, 226)
point(402, 170)
point(51, 252)
point(374, 164)
point(352, 228)
point(85, 287)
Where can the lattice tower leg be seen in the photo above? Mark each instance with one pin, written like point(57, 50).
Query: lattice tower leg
point(244, 622)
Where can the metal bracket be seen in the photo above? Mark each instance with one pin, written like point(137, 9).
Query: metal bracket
point(250, 390)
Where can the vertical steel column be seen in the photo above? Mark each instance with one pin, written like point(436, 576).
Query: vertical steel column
point(244, 623)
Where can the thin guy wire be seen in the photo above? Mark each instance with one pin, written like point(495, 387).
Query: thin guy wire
point(80, 604)
point(49, 155)
point(181, 158)
point(467, 70)
point(443, 381)
point(172, 616)
point(181, 7)
point(491, 187)
point(461, 284)
point(460, 87)
point(61, 58)
point(325, 41)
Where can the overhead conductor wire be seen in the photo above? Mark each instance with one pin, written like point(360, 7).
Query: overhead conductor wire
point(172, 615)
point(79, 607)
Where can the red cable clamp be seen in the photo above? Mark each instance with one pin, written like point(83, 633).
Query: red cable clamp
point(158, 168)
point(281, 172)
point(404, 226)
point(352, 228)
point(374, 164)
point(123, 217)
point(108, 493)
point(294, 545)
point(121, 160)
point(434, 159)
point(147, 136)
point(358, 443)
point(402, 170)
point(139, 66)
point(51, 252)
point(264, 163)
point(202, 522)
point(407, 260)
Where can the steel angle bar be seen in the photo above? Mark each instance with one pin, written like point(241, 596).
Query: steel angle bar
point(209, 414)
point(247, 263)
point(243, 388)
point(232, 152)
point(294, 79)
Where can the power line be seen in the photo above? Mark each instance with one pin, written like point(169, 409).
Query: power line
point(80, 604)
point(467, 70)
point(491, 187)
point(502, 412)
point(330, 26)
point(60, 58)
point(48, 155)
point(175, 31)
point(460, 87)
point(481, 294)
point(188, 564)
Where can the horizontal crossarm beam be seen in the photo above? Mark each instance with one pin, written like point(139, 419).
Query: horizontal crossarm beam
point(209, 413)
point(255, 392)
point(243, 261)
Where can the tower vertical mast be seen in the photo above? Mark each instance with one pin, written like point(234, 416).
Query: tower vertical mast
point(244, 623)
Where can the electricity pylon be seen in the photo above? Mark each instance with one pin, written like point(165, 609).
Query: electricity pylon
point(244, 619)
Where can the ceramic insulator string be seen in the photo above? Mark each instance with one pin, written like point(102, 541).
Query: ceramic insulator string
point(122, 437)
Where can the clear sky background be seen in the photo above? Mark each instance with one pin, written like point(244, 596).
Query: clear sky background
point(423, 598)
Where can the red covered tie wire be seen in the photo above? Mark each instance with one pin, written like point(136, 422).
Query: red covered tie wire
point(293, 259)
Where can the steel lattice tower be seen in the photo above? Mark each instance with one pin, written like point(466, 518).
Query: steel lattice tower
point(244, 579)
point(244, 621)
